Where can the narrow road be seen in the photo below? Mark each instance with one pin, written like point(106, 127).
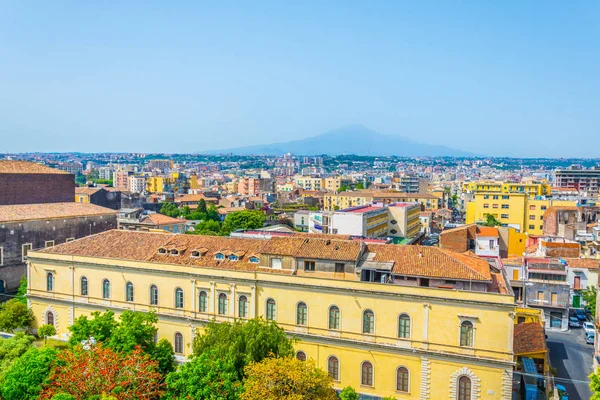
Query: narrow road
point(572, 358)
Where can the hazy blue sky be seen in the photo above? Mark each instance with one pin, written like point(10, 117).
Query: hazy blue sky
point(493, 77)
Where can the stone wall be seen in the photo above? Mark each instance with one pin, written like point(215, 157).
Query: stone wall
point(36, 188)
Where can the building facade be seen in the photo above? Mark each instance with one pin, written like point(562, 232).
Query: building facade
point(380, 318)
point(28, 183)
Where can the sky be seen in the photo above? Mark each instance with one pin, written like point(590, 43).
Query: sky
point(500, 78)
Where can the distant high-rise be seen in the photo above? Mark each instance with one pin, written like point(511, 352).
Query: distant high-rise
point(584, 180)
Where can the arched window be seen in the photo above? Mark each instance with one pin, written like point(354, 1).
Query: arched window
point(129, 291)
point(404, 326)
point(402, 379)
point(466, 334)
point(178, 343)
point(179, 298)
point(333, 368)
point(243, 307)
point(153, 295)
point(84, 286)
point(271, 310)
point(2, 286)
point(219, 256)
point(202, 301)
point(301, 356)
point(49, 281)
point(233, 257)
point(464, 388)
point(366, 374)
point(222, 304)
point(301, 314)
point(334, 317)
point(254, 260)
point(50, 318)
point(368, 321)
point(106, 289)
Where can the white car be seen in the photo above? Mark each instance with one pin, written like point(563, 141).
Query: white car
point(588, 327)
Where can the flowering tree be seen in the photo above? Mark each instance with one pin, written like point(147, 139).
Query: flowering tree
point(99, 370)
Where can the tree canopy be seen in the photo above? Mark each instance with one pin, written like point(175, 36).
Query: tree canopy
point(287, 378)
point(589, 296)
point(205, 377)
point(348, 393)
point(26, 377)
point(101, 370)
point(13, 348)
point(14, 315)
point(243, 342)
point(246, 219)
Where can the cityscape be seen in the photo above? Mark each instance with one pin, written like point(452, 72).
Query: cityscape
point(299, 202)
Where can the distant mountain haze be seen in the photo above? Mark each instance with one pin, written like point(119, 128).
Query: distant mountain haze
point(352, 139)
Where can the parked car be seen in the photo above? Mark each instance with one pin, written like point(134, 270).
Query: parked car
point(589, 337)
point(588, 327)
point(581, 315)
point(574, 322)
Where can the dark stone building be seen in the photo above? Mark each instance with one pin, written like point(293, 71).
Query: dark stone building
point(99, 196)
point(28, 183)
point(36, 226)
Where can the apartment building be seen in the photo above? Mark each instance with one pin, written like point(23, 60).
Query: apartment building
point(354, 198)
point(248, 186)
point(517, 210)
point(576, 177)
point(309, 183)
point(401, 321)
point(136, 183)
point(533, 189)
point(161, 165)
point(363, 221)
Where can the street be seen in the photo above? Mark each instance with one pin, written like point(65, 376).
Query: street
point(572, 358)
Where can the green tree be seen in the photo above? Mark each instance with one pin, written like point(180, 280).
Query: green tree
point(287, 378)
point(22, 291)
point(589, 296)
point(63, 396)
point(491, 221)
point(212, 213)
point(13, 348)
point(348, 393)
point(46, 330)
point(164, 355)
point(595, 384)
point(359, 185)
point(243, 220)
point(243, 342)
point(202, 206)
point(205, 377)
point(170, 209)
point(209, 227)
point(80, 179)
point(100, 327)
point(134, 329)
point(15, 315)
point(26, 377)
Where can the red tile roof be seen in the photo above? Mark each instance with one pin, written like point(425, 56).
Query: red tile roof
point(487, 231)
point(29, 212)
point(529, 338)
point(161, 219)
point(25, 167)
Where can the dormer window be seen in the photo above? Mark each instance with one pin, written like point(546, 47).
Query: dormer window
point(233, 257)
point(219, 256)
point(195, 254)
point(254, 260)
point(174, 252)
point(162, 250)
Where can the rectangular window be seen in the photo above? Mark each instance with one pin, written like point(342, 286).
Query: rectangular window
point(540, 295)
point(504, 206)
point(276, 263)
point(49, 243)
point(486, 197)
point(542, 227)
point(554, 297)
point(531, 226)
point(495, 206)
point(309, 265)
point(1, 255)
point(69, 239)
point(515, 274)
point(532, 208)
point(504, 216)
point(491, 244)
point(339, 267)
point(532, 217)
point(24, 250)
point(495, 197)
point(486, 206)
point(505, 197)
point(543, 207)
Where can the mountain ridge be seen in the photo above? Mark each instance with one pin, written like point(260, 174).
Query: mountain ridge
point(351, 139)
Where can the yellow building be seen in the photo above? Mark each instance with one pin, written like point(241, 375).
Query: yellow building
point(193, 182)
point(310, 183)
point(155, 184)
point(354, 198)
point(513, 209)
point(332, 183)
point(532, 189)
point(404, 321)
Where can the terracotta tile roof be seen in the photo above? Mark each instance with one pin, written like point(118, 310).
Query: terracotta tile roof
point(529, 338)
point(587, 263)
point(28, 212)
point(487, 231)
point(87, 190)
point(161, 219)
point(227, 210)
point(431, 262)
point(314, 248)
point(25, 167)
